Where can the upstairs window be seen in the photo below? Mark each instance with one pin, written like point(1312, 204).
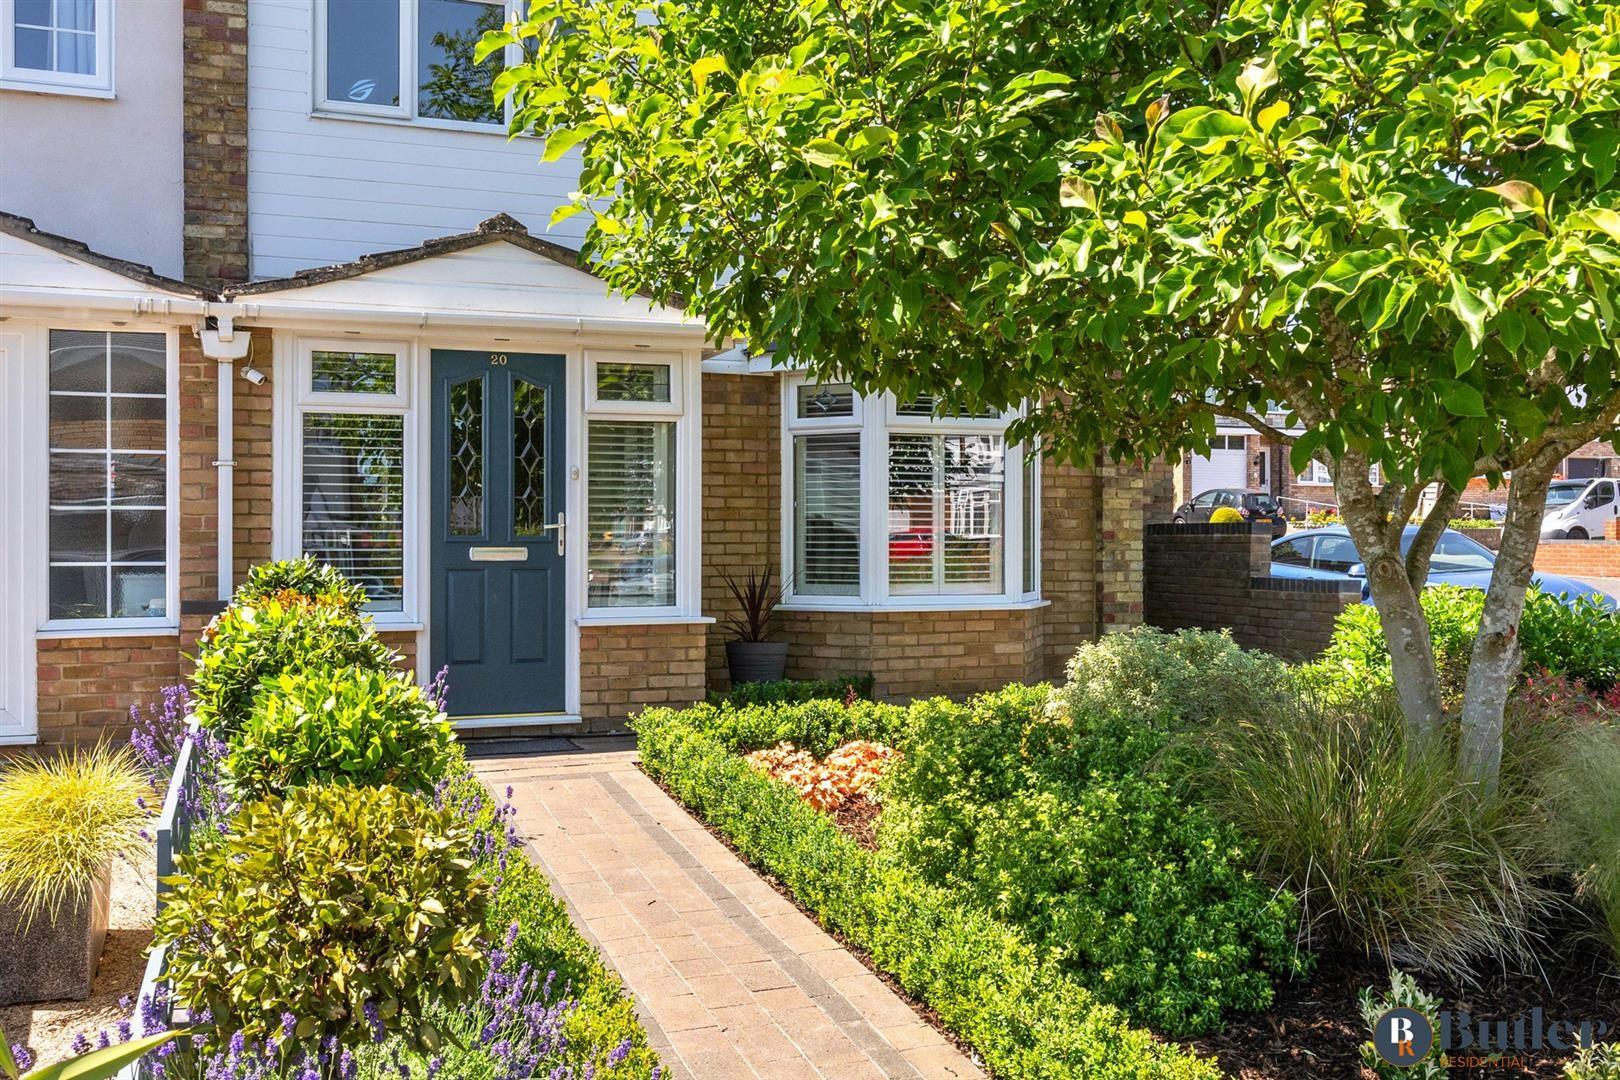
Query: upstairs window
point(57, 45)
point(410, 60)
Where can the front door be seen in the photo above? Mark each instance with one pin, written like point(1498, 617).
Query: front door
point(498, 556)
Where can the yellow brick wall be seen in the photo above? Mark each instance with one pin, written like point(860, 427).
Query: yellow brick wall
point(623, 669)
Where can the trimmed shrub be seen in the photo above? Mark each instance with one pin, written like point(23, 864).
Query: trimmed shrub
point(248, 643)
point(817, 726)
point(1061, 828)
point(793, 690)
point(1388, 852)
point(1226, 515)
point(352, 725)
point(352, 909)
point(302, 577)
point(1026, 1019)
point(1582, 792)
point(1581, 641)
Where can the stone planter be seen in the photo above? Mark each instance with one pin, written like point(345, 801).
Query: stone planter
point(54, 960)
point(756, 661)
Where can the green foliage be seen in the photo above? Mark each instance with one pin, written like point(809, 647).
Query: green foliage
point(302, 576)
point(1403, 993)
point(1389, 852)
point(322, 902)
point(1226, 515)
point(1582, 791)
point(63, 819)
point(817, 725)
point(785, 690)
point(1581, 641)
point(1595, 1063)
point(1026, 1019)
point(1056, 822)
point(250, 642)
point(359, 726)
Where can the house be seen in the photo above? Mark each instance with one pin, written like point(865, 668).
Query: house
point(1241, 457)
point(275, 281)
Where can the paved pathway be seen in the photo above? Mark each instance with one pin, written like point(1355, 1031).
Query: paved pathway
point(731, 980)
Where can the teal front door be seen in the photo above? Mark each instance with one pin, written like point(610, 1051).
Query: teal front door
point(498, 556)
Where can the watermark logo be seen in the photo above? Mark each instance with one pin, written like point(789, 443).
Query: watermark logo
point(1403, 1037)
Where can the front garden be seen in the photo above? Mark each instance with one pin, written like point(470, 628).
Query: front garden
point(351, 900)
point(1190, 859)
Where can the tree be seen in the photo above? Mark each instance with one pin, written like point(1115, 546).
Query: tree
point(1398, 219)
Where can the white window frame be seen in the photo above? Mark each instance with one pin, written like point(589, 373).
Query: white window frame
point(99, 85)
point(91, 628)
point(595, 404)
point(875, 417)
point(684, 412)
point(295, 399)
point(1314, 473)
point(406, 112)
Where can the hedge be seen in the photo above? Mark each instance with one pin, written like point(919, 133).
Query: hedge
point(986, 982)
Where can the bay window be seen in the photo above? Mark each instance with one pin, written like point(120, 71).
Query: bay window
point(890, 504)
point(110, 478)
point(351, 420)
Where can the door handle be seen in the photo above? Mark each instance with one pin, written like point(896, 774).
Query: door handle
point(561, 532)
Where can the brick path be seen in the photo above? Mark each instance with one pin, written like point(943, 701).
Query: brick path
point(731, 980)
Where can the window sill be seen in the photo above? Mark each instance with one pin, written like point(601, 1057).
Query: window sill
point(955, 603)
point(19, 740)
point(396, 626)
point(100, 93)
point(59, 631)
point(631, 619)
point(420, 123)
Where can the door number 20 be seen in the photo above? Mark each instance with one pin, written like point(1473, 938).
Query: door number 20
point(497, 359)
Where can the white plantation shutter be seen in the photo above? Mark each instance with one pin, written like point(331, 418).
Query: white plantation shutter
point(630, 514)
point(354, 502)
point(827, 514)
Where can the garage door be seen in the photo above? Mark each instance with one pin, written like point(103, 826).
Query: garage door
point(1227, 465)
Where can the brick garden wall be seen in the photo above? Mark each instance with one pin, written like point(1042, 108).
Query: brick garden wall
point(1217, 577)
point(1579, 558)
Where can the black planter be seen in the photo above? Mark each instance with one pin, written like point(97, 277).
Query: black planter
point(756, 661)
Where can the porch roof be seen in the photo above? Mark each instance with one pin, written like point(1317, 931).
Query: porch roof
point(42, 269)
point(496, 275)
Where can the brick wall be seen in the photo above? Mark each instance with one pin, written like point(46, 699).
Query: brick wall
point(1216, 577)
point(741, 492)
point(215, 44)
point(87, 685)
point(1580, 558)
point(918, 653)
point(623, 669)
point(1069, 562)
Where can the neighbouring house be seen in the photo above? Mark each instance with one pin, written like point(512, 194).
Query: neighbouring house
point(1240, 457)
point(539, 483)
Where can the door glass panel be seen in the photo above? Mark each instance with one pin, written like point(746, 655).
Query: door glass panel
point(528, 458)
point(467, 457)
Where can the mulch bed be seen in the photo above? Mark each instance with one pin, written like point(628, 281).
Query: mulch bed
point(858, 817)
point(1314, 1027)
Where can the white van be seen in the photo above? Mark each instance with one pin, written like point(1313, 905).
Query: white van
point(1586, 516)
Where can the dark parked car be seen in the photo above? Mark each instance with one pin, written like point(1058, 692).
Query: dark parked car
point(1253, 505)
point(1330, 555)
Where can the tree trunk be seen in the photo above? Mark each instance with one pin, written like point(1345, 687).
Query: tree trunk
point(1493, 666)
point(1411, 651)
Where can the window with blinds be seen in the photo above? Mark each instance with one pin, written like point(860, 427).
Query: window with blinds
point(630, 514)
point(353, 500)
point(827, 514)
point(945, 513)
point(108, 475)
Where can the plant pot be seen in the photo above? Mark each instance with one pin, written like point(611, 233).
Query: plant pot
point(54, 960)
point(756, 661)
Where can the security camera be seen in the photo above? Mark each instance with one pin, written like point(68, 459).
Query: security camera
point(254, 375)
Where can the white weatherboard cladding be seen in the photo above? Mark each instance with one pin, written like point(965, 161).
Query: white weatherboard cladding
point(328, 189)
